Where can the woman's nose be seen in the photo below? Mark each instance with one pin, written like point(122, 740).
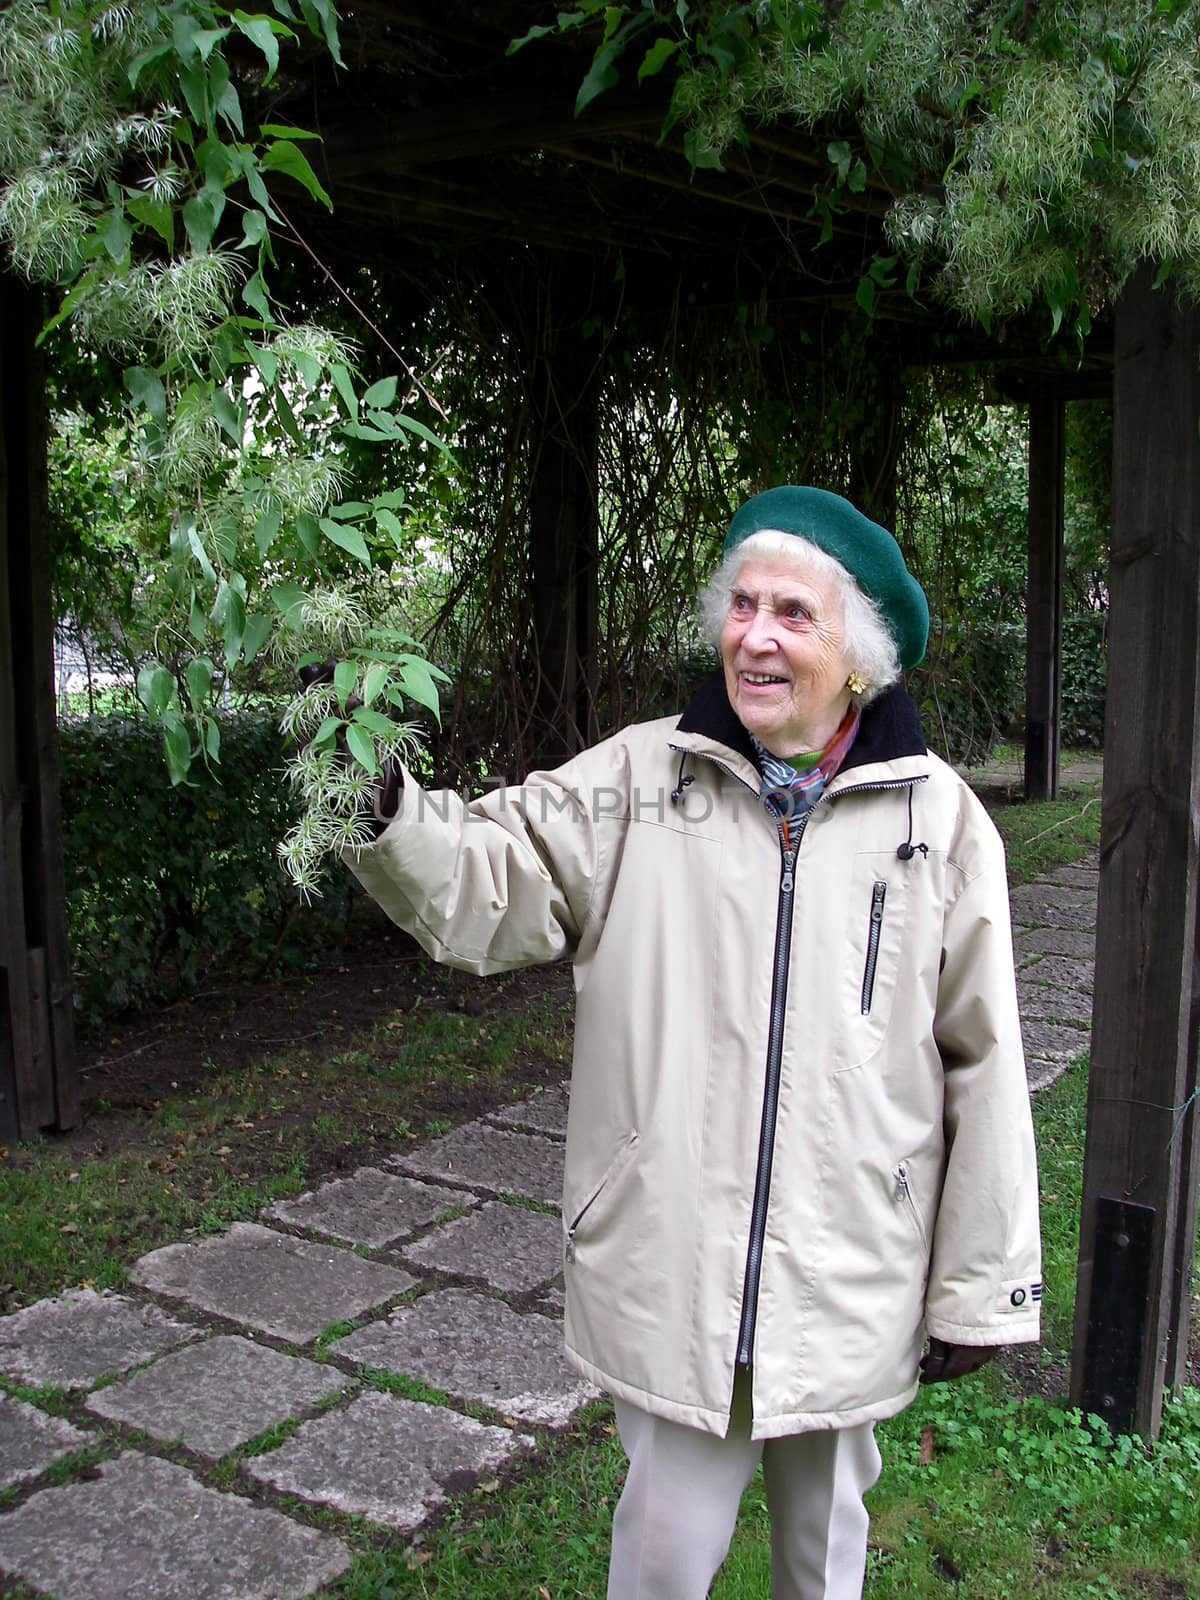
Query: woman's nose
point(760, 630)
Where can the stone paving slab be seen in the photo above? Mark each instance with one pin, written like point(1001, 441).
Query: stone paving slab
point(71, 1341)
point(387, 1459)
point(1079, 944)
point(215, 1396)
point(1048, 1042)
point(1063, 972)
point(510, 1249)
point(479, 1349)
point(30, 1441)
point(144, 1529)
point(372, 1207)
point(287, 1287)
point(1078, 876)
point(544, 1113)
point(1039, 905)
point(498, 1160)
point(1046, 1003)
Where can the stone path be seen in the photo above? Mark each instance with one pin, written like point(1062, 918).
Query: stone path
point(377, 1347)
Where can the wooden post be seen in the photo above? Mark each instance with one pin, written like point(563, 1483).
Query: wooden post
point(564, 518)
point(38, 1075)
point(1137, 1229)
point(1043, 597)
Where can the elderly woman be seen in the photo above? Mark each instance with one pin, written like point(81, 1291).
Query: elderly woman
point(799, 1141)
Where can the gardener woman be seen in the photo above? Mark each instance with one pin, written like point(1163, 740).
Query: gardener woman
point(799, 1141)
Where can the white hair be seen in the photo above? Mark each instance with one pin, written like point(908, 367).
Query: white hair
point(868, 644)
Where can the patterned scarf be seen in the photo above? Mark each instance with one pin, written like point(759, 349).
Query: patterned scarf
point(788, 794)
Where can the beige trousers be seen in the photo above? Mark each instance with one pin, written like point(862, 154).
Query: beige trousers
point(675, 1518)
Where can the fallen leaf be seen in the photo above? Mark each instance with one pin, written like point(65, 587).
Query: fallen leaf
point(416, 1559)
point(489, 1485)
point(928, 1434)
point(68, 1227)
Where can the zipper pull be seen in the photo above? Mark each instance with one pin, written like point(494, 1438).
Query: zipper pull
point(789, 862)
point(570, 1250)
point(901, 1182)
point(877, 896)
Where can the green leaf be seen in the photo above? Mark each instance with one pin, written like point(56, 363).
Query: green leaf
point(267, 363)
point(228, 416)
point(308, 531)
point(656, 58)
point(422, 432)
point(381, 394)
point(375, 677)
point(391, 525)
point(284, 156)
point(156, 214)
point(254, 293)
point(206, 39)
point(349, 510)
point(196, 546)
point(373, 721)
point(348, 537)
point(344, 384)
point(116, 234)
point(212, 738)
point(197, 621)
point(262, 31)
point(602, 74)
point(199, 681)
point(539, 31)
point(201, 215)
point(287, 598)
point(235, 626)
point(279, 130)
point(177, 746)
point(258, 631)
point(839, 157)
point(857, 180)
point(156, 688)
point(327, 732)
point(417, 682)
point(266, 529)
point(345, 680)
point(865, 295)
point(362, 747)
point(254, 229)
point(146, 389)
point(324, 14)
point(393, 500)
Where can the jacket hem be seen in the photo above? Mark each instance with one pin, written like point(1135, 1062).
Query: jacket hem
point(777, 1426)
point(1015, 1332)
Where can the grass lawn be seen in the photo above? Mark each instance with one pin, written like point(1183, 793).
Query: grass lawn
point(991, 1487)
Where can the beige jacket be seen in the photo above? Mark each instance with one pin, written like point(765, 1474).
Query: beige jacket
point(808, 1156)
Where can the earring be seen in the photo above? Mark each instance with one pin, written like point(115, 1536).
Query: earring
point(856, 683)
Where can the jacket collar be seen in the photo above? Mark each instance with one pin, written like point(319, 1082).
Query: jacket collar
point(890, 729)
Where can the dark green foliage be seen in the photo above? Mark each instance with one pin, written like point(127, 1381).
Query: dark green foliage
point(1084, 674)
point(163, 881)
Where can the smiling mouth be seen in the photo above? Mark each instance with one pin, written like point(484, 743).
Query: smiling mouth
point(761, 678)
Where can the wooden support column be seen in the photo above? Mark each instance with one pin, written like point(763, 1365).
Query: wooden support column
point(1137, 1228)
point(38, 1074)
point(1043, 597)
point(564, 517)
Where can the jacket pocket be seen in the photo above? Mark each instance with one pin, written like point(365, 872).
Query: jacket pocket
point(874, 935)
point(615, 1166)
point(902, 1173)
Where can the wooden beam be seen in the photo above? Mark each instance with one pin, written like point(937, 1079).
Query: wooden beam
point(1043, 597)
point(1140, 1171)
point(36, 993)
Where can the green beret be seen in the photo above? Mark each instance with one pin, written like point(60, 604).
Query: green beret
point(868, 552)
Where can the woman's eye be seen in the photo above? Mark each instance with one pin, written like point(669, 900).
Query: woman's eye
point(741, 603)
point(798, 613)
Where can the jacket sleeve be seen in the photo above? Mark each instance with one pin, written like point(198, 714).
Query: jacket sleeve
point(985, 1274)
point(500, 882)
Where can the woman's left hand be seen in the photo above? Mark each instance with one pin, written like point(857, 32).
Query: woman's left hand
point(943, 1362)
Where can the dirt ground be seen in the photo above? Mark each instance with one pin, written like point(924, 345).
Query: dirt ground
point(132, 1065)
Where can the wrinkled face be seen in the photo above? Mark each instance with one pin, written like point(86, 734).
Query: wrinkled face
point(781, 646)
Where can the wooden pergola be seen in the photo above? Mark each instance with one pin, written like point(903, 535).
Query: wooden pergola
point(443, 154)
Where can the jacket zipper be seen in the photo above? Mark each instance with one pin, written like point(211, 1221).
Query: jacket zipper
point(770, 1111)
point(779, 977)
point(614, 1167)
point(874, 932)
